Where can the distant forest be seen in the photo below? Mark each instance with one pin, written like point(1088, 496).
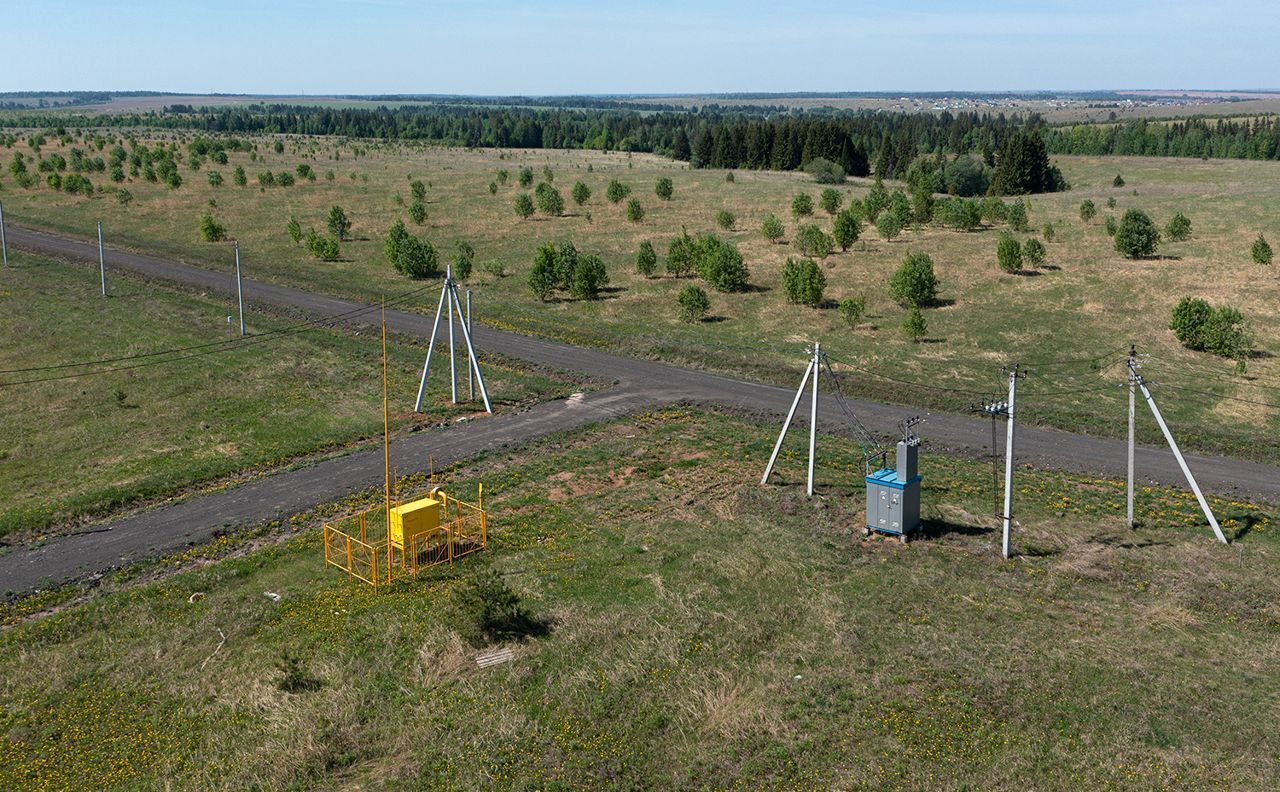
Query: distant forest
point(862, 142)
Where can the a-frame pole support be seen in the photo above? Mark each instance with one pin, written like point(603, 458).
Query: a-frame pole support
point(810, 370)
point(449, 302)
point(1173, 446)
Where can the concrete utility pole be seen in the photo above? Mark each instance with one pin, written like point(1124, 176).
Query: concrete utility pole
point(453, 369)
point(813, 413)
point(4, 244)
point(1015, 374)
point(239, 289)
point(102, 261)
point(1133, 369)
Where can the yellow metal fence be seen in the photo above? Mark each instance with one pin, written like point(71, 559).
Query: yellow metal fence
point(359, 545)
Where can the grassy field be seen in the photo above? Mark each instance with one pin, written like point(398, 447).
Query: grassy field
point(1087, 302)
point(701, 632)
point(76, 447)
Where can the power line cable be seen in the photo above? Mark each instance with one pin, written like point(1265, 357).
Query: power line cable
point(228, 344)
point(199, 352)
point(1214, 395)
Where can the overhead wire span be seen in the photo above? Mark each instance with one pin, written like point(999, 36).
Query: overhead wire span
point(941, 388)
point(197, 350)
point(1068, 361)
point(1213, 395)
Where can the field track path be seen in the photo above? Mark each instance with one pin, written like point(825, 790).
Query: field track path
point(639, 384)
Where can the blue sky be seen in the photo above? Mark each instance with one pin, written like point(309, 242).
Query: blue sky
point(558, 46)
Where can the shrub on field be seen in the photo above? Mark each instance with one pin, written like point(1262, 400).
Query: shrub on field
point(1015, 214)
point(463, 259)
point(549, 199)
point(824, 171)
point(418, 212)
point(813, 242)
point(1088, 210)
point(914, 282)
point(418, 190)
point(681, 255)
point(1009, 253)
point(719, 263)
point(877, 201)
point(526, 177)
point(1136, 236)
point(238, 176)
point(616, 191)
point(801, 206)
point(1261, 251)
point(803, 282)
point(1033, 252)
point(487, 610)
point(215, 179)
point(725, 219)
point(771, 228)
point(211, 230)
point(414, 257)
point(294, 228)
point(845, 229)
point(635, 212)
point(646, 259)
point(889, 225)
point(1178, 228)
point(830, 200)
point(914, 325)
point(581, 275)
point(338, 223)
point(664, 188)
point(524, 205)
point(694, 303)
point(581, 193)
point(325, 248)
point(1222, 330)
point(852, 308)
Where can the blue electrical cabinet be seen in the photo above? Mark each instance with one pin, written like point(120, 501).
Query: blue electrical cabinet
point(893, 495)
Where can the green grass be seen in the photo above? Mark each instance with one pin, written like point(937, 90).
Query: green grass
point(705, 633)
point(76, 447)
point(1087, 302)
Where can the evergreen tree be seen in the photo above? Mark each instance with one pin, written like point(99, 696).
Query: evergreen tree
point(646, 259)
point(1136, 236)
point(914, 325)
point(1261, 250)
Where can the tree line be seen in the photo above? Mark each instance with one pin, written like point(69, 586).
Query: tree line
point(862, 142)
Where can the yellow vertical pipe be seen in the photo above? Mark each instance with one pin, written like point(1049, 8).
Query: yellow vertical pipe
point(386, 422)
